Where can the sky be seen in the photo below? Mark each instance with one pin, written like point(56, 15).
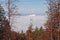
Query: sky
point(29, 9)
point(23, 22)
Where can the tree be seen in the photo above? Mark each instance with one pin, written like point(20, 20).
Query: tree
point(2, 19)
point(4, 25)
point(22, 36)
point(53, 23)
point(41, 34)
point(6, 31)
point(13, 35)
point(36, 34)
point(29, 34)
point(11, 8)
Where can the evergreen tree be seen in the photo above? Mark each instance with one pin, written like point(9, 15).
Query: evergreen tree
point(2, 19)
point(4, 26)
point(29, 34)
point(22, 36)
point(36, 34)
point(6, 31)
point(41, 33)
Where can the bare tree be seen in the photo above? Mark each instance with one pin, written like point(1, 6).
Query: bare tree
point(54, 17)
point(12, 8)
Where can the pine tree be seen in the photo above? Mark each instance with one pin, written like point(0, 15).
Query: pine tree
point(2, 19)
point(6, 31)
point(36, 34)
point(29, 34)
point(4, 26)
point(22, 36)
point(41, 33)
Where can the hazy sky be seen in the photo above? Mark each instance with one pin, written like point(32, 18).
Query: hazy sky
point(29, 9)
point(26, 7)
point(23, 22)
point(37, 7)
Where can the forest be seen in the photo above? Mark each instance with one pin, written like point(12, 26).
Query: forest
point(51, 31)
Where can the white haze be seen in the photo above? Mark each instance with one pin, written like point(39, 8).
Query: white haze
point(23, 22)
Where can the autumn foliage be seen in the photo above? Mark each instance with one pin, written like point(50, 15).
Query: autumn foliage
point(51, 31)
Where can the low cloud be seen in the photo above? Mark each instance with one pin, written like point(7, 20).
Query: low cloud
point(23, 22)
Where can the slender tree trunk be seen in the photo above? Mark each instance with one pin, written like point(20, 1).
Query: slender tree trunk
point(9, 10)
